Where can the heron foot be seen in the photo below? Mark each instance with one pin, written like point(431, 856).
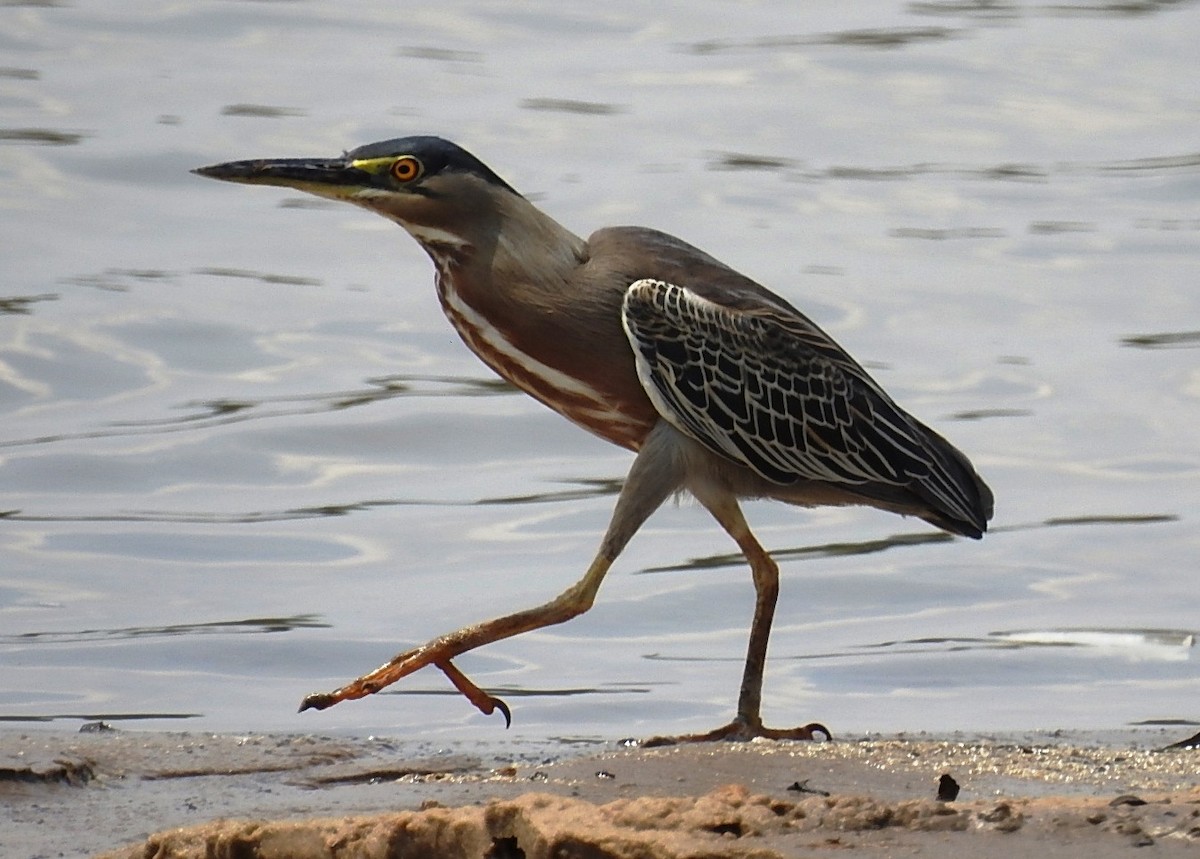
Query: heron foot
point(740, 731)
point(317, 701)
point(485, 703)
point(371, 683)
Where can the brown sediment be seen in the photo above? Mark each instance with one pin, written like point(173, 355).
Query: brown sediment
point(729, 821)
point(176, 796)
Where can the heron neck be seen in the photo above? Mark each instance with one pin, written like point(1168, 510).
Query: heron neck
point(515, 260)
point(532, 251)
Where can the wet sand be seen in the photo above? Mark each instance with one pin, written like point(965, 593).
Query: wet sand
point(132, 794)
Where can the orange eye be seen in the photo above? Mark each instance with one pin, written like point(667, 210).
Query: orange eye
point(407, 168)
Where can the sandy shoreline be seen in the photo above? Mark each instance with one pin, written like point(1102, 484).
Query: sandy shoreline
point(297, 796)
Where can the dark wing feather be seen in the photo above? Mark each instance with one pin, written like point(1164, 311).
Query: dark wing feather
point(766, 388)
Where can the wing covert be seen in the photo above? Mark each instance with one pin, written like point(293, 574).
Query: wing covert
point(769, 390)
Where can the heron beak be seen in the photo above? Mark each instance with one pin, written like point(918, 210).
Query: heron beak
point(336, 178)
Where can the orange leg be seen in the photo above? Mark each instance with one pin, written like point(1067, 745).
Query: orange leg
point(654, 476)
point(572, 602)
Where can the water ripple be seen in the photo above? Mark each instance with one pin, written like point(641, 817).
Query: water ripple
point(868, 547)
point(225, 411)
point(251, 625)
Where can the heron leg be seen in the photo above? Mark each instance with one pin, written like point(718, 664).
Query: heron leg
point(747, 724)
point(439, 651)
point(655, 474)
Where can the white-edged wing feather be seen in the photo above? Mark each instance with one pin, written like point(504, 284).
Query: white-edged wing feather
point(771, 391)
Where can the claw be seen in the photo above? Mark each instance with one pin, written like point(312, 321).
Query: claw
point(503, 708)
point(485, 703)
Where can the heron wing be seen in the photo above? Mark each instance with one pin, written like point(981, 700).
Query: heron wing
point(765, 387)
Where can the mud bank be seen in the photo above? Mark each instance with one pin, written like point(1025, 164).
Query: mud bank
point(123, 794)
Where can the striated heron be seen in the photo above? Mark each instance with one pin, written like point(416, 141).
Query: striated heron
point(720, 387)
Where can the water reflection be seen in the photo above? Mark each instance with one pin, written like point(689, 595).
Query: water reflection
point(794, 170)
point(446, 55)
point(1161, 644)
point(825, 550)
point(262, 111)
point(981, 414)
point(924, 538)
point(883, 37)
point(1160, 163)
point(19, 305)
point(1052, 228)
point(262, 277)
point(567, 105)
point(41, 136)
point(1165, 340)
point(943, 233)
point(251, 625)
point(227, 411)
point(586, 488)
point(117, 279)
point(1008, 10)
point(1135, 643)
point(102, 716)
point(582, 488)
point(746, 161)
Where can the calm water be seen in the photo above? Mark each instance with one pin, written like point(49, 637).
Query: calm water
point(243, 457)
